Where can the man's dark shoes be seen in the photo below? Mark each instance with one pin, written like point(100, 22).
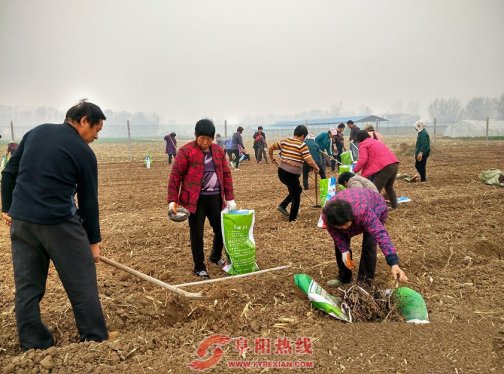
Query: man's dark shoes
point(282, 210)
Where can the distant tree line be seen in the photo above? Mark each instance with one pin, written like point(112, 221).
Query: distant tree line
point(478, 108)
point(29, 116)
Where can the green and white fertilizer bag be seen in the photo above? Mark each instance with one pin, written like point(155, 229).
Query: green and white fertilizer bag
point(327, 191)
point(411, 305)
point(493, 177)
point(319, 297)
point(238, 236)
point(346, 158)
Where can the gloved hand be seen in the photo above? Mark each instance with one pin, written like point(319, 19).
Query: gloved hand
point(173, 207)
point(231, 205)
point(347, 260)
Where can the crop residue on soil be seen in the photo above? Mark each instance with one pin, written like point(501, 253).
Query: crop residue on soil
point(449, 239)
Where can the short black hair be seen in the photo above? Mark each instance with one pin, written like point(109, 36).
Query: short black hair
point(204, 127)
point(300, 131)
point(362, 135)
point(349, 122)
point(338, 212)
point(345, 177)
point(84, 109)
point(260, 128)
point(173, 134)
point(341, 125)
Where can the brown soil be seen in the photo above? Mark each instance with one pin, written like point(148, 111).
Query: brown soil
point(449, 238)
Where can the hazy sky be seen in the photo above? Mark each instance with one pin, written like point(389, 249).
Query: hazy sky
point(189, 59)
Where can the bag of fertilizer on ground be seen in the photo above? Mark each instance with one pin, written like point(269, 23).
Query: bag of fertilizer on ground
point(319, 297)
point(327, 190)
point(411, 305)
point(238, 236)
point(492, 177)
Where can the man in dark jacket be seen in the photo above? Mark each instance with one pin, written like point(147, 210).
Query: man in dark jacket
point(237, 143)
point(51, 165)
point(422, 150)
point(315, 153)
point(354, 144)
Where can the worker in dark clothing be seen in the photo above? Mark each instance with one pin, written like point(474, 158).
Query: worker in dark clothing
point(53, 163)
point(315, 153)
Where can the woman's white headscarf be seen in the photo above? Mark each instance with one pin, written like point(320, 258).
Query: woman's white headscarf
point(419, 126)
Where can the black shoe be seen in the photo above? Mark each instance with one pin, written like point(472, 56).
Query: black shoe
point(282, 210)
point(202, 274)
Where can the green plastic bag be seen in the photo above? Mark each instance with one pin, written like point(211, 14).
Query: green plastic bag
point(411, 305)
point(326, 193)
point(346, 158)
point(319, 297)
point(323, 185)
point(237, 233)
point(345, 168)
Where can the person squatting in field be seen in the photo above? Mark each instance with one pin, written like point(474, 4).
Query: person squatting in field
point(52, 163)
point(356, 211)
point(378, 163)
point(293, 152)
point(350, 180)
point(200, 181)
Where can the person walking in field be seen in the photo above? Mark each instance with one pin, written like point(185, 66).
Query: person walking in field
point(200, 181)
point(293, 152)
point(171, 146)
point(52, 164)
point(422, 150)
point(237, 143)
point(377, 163)
point(352, 212)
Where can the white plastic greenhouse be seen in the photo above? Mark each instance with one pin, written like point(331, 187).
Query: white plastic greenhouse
point(473, 129)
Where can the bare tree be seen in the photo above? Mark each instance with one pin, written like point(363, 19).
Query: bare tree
point(446, 110)
point(500, 107)
point(479, 108)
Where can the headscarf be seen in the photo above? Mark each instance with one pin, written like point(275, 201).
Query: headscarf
point(419, 126)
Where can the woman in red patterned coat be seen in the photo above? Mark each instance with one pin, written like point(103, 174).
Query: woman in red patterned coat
point(200, 181)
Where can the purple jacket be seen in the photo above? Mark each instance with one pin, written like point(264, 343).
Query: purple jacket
point(171, 145)
point(370, 213)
